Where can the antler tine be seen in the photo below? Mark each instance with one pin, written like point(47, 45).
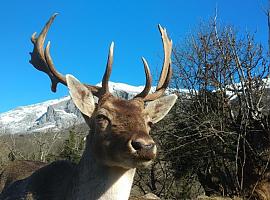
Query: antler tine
point(59, 76)
point(42, 60)
point(159, 92)
point(148, 80)
point(167, 47)
point(166, 72)
point(106, 76)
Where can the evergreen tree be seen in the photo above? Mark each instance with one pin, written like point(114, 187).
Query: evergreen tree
point(73, 147)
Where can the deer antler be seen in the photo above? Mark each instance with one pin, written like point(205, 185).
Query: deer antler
point(106, 76)
point(148, 80)
point(42, 61)
point(166, 72)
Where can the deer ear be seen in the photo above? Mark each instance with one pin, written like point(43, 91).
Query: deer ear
point(160, 107)
point(81, 95)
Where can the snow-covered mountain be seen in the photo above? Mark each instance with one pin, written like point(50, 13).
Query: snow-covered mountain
point(59, 114)
point(53, 115)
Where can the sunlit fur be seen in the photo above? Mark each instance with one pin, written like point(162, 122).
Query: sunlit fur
point(114, 124)
point(107, 166)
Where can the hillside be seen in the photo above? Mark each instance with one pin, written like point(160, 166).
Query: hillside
point(53, 115)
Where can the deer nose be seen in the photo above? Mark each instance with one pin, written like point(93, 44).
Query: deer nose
point(144, 148)
point(140, 144)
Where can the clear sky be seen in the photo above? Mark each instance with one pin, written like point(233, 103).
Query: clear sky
point(83, 30)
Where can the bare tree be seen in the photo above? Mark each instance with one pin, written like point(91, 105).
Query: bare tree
point(45, 144)
point(222, 129)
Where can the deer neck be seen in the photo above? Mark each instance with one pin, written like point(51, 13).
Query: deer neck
point(95, 181)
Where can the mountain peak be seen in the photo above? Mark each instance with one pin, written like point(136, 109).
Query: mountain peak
point(54, 115)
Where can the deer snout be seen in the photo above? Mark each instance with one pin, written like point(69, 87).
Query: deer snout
point(145, 148)
point(139, 145)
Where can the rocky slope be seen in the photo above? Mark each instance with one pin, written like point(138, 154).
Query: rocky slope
point(53, 115)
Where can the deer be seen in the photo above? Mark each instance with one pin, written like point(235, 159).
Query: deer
point(119, 138)
point(16, 170)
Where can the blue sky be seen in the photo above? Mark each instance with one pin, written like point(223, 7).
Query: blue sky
point(83, 30)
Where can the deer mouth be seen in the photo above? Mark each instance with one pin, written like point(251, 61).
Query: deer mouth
point(143, 152)
point(143, 157)
point(142, 162)
point(134, 161)
point(137, 158)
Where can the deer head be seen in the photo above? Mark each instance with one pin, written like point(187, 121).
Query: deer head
point(119, 129)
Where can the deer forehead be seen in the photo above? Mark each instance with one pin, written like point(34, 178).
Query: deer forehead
point(120, 109)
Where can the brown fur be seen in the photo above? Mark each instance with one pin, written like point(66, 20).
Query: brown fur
point(114, 123)
point(17, 170)
point(126, 121)
point(118, 142)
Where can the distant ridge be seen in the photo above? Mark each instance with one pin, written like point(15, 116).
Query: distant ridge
point(53, 115)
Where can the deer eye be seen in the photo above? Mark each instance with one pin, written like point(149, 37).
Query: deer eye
point(150, 124)
point(101, 117)
point(102, 121)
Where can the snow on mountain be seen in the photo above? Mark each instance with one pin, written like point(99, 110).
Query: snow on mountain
point(123, 87)
point(25, 118)
point(53, 115)
point(58, 114)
